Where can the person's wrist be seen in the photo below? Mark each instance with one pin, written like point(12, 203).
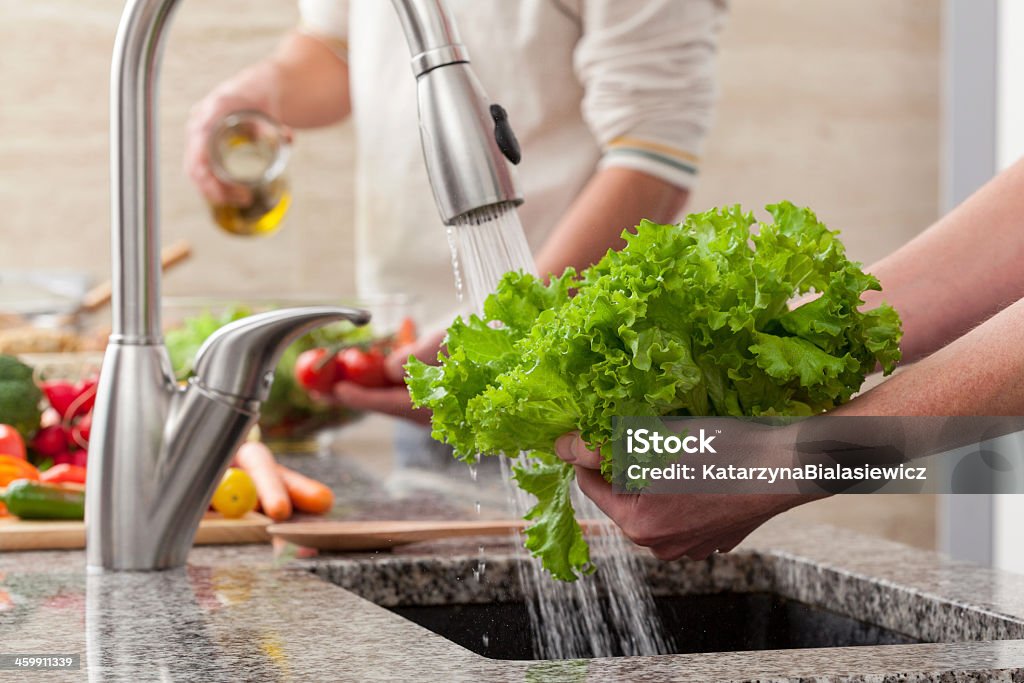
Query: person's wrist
point(781, 452)
point(257, 86)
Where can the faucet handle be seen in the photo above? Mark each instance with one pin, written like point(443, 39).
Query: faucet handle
point(239, 359)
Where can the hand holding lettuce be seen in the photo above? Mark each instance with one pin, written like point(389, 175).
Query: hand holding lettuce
point(690, 319)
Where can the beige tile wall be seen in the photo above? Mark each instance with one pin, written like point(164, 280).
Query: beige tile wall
point(831, 103)
point(54, 66)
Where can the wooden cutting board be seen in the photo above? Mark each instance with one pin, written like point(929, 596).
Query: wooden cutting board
point(17, 534)
point(365, 536)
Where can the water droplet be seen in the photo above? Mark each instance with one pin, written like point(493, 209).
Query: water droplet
point(481, 564)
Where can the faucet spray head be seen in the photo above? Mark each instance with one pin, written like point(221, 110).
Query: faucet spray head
point(467, 140)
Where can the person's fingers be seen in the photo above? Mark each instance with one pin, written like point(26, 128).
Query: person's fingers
point(572, 449)
point(391, 400)
point(425, 349)
point(674, 549)
point(203, 117)
point(394, 364)
point(729, 544)
point(210, 187)
point(594, 487)
point(237, 195)
point(666, 552)
point(700, 552)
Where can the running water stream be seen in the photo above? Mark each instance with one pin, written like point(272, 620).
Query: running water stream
point(607, 613)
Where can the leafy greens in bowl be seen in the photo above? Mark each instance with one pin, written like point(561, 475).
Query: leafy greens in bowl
point(688, 319)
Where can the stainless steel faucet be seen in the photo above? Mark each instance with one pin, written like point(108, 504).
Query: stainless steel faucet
point(158, 450)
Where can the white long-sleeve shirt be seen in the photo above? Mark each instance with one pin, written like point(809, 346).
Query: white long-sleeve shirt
point(587, 84)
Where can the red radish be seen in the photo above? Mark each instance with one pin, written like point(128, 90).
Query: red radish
point(80, 431)
point(79, 458)
point(50, 417)
point(60, 394)
point(62, 458)
point(86, 398)
point(50, 441)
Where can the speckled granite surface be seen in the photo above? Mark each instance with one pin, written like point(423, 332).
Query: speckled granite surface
point(239, 614)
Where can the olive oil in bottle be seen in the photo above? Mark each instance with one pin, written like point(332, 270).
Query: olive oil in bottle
point(250, 150)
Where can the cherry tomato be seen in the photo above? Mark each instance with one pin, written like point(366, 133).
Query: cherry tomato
point(365, 368)
point(316, 370)
point(11, 442)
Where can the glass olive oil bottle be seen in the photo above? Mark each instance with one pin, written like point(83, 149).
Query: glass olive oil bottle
point(250, 150)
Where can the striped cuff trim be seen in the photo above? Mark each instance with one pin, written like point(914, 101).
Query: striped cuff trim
point(626, 152)
point(660, 148)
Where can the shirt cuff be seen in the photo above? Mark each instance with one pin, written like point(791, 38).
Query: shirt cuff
point(671, 164)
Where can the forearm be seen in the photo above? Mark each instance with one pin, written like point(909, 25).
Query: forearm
point(978, 374)
point(961, 270)
point(614, 199)
point(304, 84)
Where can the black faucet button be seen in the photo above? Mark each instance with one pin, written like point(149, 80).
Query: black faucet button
point(504, 135)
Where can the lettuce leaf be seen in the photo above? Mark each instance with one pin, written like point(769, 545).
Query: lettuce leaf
point(689, 319)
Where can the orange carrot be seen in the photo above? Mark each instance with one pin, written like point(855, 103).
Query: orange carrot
point(307, 494)
point(406, 333)
point(256, 459)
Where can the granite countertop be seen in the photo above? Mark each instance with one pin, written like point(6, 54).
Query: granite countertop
point(240, 613)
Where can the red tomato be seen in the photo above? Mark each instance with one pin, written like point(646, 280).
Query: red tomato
point(365, 368)
point(11, 442)
point(316, 370)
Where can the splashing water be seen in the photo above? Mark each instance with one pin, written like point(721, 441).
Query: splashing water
point(608, 613)
point(486, 244)
point(568, 620)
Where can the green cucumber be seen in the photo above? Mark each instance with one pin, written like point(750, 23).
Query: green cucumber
point(28, 499)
